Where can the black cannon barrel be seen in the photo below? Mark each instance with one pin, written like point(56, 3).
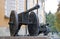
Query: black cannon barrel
point(27, 11)
point(36, 7)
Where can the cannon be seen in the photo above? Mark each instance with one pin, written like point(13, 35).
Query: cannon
point(44, 29)
point(24, 18)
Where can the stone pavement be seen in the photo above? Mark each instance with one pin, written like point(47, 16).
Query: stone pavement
point(4, 31)
point(24, 37)
point(5, 34)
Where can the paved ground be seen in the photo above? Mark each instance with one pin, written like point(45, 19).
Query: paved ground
point(4, 31)
point(24, 37)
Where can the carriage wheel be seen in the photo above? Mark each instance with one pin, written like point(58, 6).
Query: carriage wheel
point(33, 28)
point(13, 23)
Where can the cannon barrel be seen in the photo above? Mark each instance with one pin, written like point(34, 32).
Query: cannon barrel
point(27, 11)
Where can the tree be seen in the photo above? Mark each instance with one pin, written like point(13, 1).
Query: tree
point(57, 22)
point(50, 18)
point(57, 14)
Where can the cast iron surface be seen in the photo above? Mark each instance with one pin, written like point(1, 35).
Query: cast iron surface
point(23, 17)
point(16, 20)
point(33, 28)
point(13, 23)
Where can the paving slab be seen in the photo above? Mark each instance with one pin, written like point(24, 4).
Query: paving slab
point(25, 37)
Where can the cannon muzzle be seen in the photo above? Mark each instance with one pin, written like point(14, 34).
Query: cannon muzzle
point(27, 11)
point(36, 7)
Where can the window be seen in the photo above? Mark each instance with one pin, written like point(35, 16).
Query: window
point(20, 6)
point(9, 5)
point(17, 5)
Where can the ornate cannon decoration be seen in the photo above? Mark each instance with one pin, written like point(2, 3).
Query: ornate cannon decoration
point(26, 18)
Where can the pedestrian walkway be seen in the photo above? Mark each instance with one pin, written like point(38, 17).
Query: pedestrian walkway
point(4, 31)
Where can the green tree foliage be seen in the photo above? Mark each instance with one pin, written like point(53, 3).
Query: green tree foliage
point(50, 18)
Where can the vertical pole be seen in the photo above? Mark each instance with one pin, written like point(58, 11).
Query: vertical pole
point(37, 4)
point(26, 25)
point(26, 4)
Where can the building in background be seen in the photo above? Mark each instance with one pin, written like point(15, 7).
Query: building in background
point(19, 6)
point(3, 20)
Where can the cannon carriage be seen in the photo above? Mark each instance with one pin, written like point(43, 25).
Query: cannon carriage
point(16, 20)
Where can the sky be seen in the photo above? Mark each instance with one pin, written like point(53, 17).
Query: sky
point(51, 5)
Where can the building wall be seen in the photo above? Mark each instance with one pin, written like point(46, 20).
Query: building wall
point(3, 20)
